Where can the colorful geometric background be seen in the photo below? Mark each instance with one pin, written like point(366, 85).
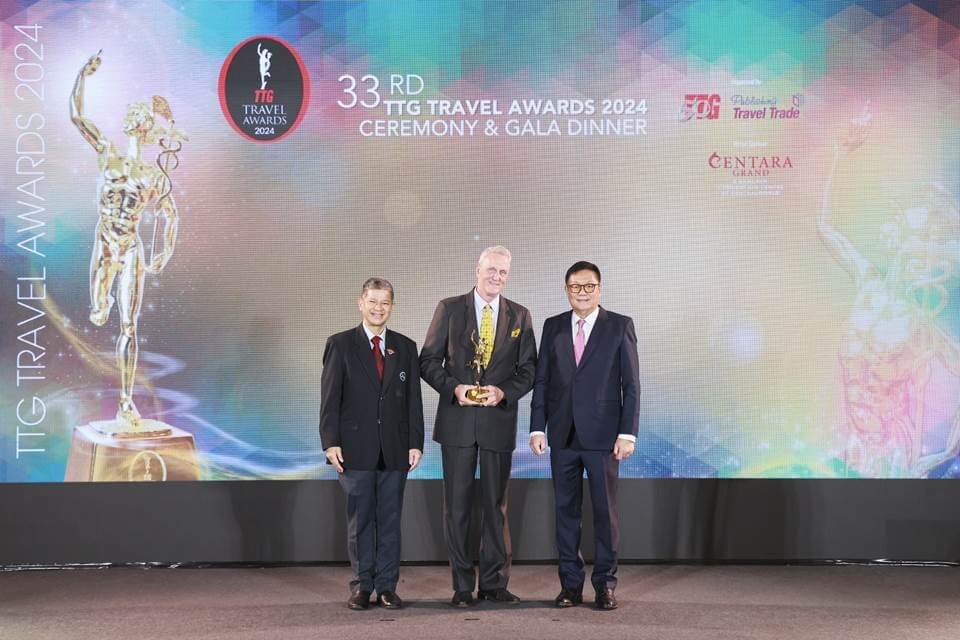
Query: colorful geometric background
point(789, 325)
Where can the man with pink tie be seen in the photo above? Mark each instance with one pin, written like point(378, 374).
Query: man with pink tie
point(586, 406)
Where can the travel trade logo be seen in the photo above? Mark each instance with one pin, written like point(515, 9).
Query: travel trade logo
point(749, 107)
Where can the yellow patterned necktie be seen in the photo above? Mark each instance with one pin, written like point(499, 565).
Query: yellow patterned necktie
point(486, 333)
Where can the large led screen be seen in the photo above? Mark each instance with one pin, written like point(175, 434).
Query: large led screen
point(194, 192)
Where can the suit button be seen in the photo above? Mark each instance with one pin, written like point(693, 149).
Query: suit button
point(379, 421)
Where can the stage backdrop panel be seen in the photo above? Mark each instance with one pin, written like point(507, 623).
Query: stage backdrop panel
point(769, 188)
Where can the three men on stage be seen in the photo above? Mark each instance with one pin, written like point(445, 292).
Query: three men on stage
point(371, 428)
point(586, 405)
point(479, 331)
point(480, 355)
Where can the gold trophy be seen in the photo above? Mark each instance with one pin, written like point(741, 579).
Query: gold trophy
point(476, 392)
point(129, 447)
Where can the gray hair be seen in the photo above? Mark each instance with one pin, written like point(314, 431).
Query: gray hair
point(376, 283)
point(498, 249)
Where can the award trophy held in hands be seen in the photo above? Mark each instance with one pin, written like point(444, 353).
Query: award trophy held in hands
point(129, 446)
point(481, 358)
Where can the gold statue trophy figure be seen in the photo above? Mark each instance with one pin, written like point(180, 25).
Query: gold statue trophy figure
point(478, 366)
point(892, 338)
point(127, 186)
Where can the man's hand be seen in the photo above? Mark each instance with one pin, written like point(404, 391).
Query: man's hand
point(622, 448)
point(538, 444)
point(492, 395)
point(461, 393)
point(335, 456)
point(415, 456)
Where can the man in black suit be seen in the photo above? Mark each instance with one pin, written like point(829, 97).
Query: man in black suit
point(371, 426)
point(486, 428)
point(586, 404)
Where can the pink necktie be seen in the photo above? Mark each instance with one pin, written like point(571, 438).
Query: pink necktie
point(578, 342)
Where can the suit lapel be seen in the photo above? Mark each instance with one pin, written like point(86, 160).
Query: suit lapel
point(364, 353)
point(390, 361)
point(566, 342)
point(471, 330)
point(596, 335)
point(505, 320)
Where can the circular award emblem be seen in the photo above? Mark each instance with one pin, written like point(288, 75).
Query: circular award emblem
point(146, 466)
point(264, 89)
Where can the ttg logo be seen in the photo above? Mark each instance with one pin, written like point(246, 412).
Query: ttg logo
point(702, 106)
point(264, 89)
point(263, 94)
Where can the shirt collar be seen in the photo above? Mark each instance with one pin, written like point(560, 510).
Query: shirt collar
point(590, 320)
point(370, 334)
point(480, 302)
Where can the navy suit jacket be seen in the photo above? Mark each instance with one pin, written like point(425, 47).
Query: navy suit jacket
point(601, 396)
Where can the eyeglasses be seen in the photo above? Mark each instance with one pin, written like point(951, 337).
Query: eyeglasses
point(577, 288)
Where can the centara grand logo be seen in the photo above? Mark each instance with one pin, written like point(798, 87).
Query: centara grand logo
point(264, 89)
point(750, 165)
point(702, 106)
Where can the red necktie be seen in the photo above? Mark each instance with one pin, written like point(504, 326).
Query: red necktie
point(377, 356)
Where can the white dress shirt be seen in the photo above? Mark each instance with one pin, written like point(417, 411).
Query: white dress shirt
point(383, 338)
point(478, 304)
point(588, 325)
point(589, 321)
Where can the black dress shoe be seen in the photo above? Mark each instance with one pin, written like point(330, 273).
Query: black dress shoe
point(605, 600)
point(389, 600)
point(462, 599)
point(359, 600)
point(497, 595)
point(568, 598)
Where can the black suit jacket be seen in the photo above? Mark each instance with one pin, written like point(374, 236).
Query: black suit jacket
point(601, 397)
point(444, 361)
point(363, 416)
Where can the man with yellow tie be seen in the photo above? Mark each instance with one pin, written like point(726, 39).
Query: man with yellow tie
point(484, 429)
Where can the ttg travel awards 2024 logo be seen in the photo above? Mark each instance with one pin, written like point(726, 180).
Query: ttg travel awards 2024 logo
point(264, 89)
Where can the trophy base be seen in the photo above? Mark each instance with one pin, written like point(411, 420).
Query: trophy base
point(108, 451)
point(122, 430)
point(475, 394)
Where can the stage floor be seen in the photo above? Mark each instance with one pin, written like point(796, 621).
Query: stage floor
point(656, 602)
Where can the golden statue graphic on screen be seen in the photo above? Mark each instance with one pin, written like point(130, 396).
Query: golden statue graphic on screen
point(129, 447)
point(893, 337)
point(127, 186)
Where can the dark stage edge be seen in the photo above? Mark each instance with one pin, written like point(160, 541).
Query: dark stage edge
point(681, 520)
point(657, 602)
point(878, 562)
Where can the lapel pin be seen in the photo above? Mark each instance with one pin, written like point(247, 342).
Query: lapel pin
point(515, 333)
point(403, 376)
